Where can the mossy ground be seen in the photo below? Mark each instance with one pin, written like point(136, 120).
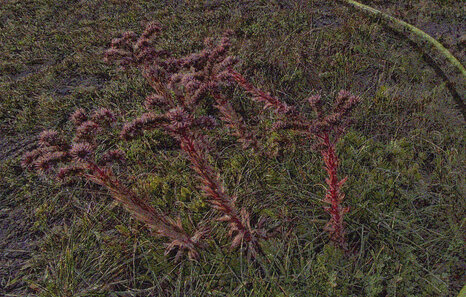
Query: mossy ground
point(404, 156)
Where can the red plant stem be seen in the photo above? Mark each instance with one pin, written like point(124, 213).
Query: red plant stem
point(259, 95)
point(333, 196)
point(235, 121)
point(212, 186)
point(278, 107)
point(140, 208)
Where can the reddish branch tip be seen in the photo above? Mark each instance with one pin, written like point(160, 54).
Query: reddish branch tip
point(154, 101)
point(82, 151)
point(49, 138)
point(78, 117)
point(103, 116)
point(86, 131)
point(113, 156)
point(68, 171)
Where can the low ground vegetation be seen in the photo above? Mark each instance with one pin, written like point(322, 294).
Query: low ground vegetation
point(402, 155)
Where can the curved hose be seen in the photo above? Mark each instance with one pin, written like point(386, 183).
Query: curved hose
point(425, 37)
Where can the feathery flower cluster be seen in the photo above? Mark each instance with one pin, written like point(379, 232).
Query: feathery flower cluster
point(46, 161)
point(86, 131)
point(131, 50)
point(112, 156)
point(103, 116)
point(70, 170)
point(328, 128)
point(154, 100)
point(51, 151)
point(334, 196)
point(245, 135)
point(192, 79)
point(48, 138)
point(338, 118)
point(157, 221)
point(78, 159)
point(240, 229)
point(81, 151)
point(147, 121)
point(78, 117)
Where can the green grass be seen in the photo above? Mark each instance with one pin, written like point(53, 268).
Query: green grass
point(404, 156)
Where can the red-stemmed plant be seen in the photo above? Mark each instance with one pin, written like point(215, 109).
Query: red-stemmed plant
point(326, 129)
point(182, 86)
point(55, 156)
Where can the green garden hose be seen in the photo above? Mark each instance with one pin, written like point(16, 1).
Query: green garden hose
point(408, 28)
